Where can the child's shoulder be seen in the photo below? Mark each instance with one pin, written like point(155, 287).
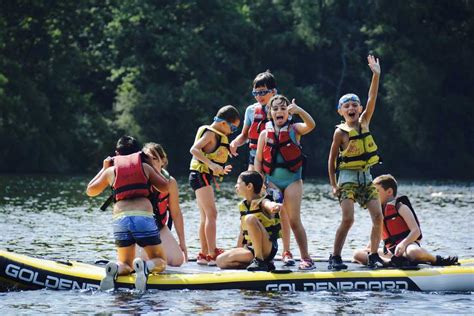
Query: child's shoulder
point(252, 107)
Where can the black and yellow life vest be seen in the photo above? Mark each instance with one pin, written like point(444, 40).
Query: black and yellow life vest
point(361, 152)
point(220, 155)
point(271, 223)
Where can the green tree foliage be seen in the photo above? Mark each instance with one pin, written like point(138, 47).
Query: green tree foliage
point(75, 75)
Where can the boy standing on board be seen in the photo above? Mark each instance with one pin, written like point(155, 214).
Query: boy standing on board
point(353, 152)
point(256, 116)
point(210, 154)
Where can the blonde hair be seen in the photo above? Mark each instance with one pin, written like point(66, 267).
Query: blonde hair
point(387, 181)
point(157, 151)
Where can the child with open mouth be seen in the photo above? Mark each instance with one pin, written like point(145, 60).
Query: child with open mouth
point(280, 159)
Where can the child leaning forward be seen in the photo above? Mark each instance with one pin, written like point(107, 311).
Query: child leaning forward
point(210, 154)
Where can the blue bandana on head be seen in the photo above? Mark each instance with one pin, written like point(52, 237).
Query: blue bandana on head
point(346, 98)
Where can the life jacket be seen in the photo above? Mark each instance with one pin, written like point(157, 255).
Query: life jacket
point(130, 179)
point(284, 145)
point(220, 155)
point(272, 224)
point(160, 202)
point(395, 229)
point(258, 125)
point(361, 152)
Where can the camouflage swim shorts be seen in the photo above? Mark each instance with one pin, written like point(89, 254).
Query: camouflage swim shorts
point(359, 193)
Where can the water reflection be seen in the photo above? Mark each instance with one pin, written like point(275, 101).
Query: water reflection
point(51, 217)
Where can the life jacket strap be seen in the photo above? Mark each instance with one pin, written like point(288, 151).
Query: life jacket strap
point(131, 187)
point(359, 136)
point(163, 198)
point(365, 156)
point(289, 162)
point(274, 231)
point(394, 238)
point(107, 202)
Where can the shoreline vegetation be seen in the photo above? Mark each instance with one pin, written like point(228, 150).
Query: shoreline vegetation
point(75, 76)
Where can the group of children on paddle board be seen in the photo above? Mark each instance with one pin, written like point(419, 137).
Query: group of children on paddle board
point(271, 189)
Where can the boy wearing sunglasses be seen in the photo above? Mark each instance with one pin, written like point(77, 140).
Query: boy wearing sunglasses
point(353, 152)
point(264, 88)
point(210, 154)
point(256, 116)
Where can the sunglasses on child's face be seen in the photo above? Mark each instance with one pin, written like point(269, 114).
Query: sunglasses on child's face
point(232, 127)
point(261, 93)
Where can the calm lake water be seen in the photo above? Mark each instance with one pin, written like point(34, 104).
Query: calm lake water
point(51, 217)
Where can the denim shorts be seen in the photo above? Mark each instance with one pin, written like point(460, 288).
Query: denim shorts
point(141, 230)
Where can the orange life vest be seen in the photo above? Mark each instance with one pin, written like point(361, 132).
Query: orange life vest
point(258, 125)
point(130, 179)
point(289, 150)
point(395, 229)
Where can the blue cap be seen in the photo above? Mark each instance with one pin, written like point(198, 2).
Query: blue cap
point(346, 98)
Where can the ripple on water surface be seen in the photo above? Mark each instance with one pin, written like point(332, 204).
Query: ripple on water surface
point(51, 217)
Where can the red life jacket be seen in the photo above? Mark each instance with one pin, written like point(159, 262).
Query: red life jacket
point(160, 203)
point(258, 125)
point(130, 179)
point(290, 151)
point(395, 229)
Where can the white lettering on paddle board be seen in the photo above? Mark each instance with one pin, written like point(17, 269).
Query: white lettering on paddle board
point(49, 281)
point(339, 286)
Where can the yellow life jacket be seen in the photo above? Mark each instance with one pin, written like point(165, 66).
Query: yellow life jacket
point(361, 152)
point(220, 155)
point(271, 223)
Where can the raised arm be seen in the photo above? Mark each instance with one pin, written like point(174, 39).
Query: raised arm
point(177, 216)
point(333, 153)
point(308, 122)
point(374, 88)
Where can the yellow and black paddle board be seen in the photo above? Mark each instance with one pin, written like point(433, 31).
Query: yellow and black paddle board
point(25, 272)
